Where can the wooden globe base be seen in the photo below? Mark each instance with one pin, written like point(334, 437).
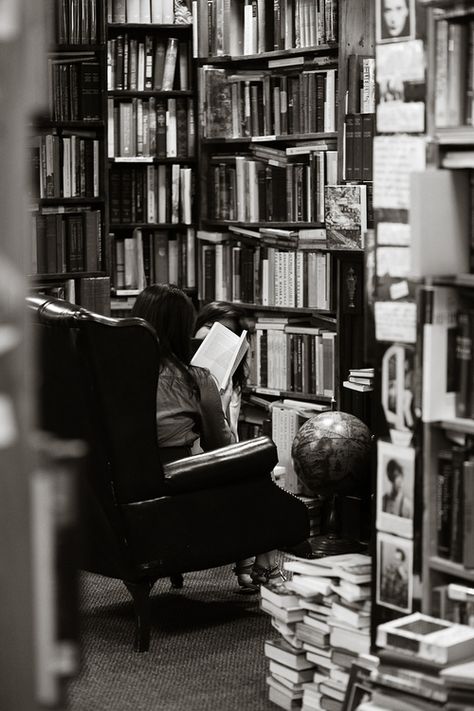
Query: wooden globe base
point(329, 544)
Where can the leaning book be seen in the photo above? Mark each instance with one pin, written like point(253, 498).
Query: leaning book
point(221, 353)
point(345, 216)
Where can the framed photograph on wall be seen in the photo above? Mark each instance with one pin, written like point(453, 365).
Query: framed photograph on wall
point(394, 20)
point(394, 588)
point(395, 488)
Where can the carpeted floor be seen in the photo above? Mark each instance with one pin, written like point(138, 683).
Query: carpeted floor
point(206, 651)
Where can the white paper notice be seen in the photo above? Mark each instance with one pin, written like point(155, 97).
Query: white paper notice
point(395, 157)
point(393, 233)
point(404, 61)
point(399, 290)
point(393, 261)
point(395, 321)
point(401, 116)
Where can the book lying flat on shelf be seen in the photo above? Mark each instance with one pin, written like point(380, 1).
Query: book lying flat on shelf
point(221, 352)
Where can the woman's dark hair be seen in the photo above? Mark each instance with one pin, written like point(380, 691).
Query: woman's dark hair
point(171, 313)
point(394, 469)
point(233, 317)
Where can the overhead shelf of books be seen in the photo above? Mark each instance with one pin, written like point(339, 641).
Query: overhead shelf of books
point(69, 216)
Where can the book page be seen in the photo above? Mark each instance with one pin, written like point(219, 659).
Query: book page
point(221, 352)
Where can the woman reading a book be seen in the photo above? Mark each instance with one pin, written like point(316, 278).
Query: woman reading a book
point(189, 405)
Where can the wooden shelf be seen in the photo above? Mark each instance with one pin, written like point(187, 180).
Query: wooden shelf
point(148, 226)
point(269, 225)
point(457, 424)
point(443, 565)
point(129, 94)
point(287, 138)
point(76, 48)
point(286, 309)
point(80, 125)
point(274, 54)
point(288, 394)
point(71, 201)
point(148, 26)
point(124, 160)
point(61, 276)
point(463, 280)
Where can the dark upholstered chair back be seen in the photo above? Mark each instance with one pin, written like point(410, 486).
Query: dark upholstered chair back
point(97, 380)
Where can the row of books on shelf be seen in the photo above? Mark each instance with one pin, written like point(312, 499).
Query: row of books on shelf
point(358, 146)
point(322, 615)
point(65, 165)
point(93, 293)
point(161, 12)
point(265, 275)
point(455, 492)
point(152, 194)
point(454, 75)
point(244, 28)
point(292, 358)
point(287, 416)
point(153, 257)
point(75, 88)
point(66, 242)
point(245, 188)
point(151, 128)
point(77, 22)
point(454, 602)
point(148, 64)
point(237, 104)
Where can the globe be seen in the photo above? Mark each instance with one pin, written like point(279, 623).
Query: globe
point(330, 453)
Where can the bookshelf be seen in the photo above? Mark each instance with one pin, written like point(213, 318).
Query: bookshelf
point(447, 441)
point(151, 151)
point(425, 412)
point(69, 222)
point(272, 94)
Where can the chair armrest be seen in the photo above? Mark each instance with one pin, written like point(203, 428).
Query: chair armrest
point(236, 462)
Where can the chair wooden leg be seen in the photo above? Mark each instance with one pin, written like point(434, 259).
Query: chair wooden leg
point(140, 593)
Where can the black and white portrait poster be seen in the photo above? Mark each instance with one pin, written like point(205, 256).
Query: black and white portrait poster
point(395, 488)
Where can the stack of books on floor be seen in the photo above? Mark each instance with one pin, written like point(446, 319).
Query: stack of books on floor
point(425, 663)
point(323, 616)
point(361, 379)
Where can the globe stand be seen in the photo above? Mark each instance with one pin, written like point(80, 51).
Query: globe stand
point(330, 543)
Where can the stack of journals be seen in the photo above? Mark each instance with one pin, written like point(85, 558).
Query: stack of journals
point(323, 615)
point(361, 379)
point(425, 663)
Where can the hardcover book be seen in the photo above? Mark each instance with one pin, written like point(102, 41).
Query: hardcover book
point(345, 216)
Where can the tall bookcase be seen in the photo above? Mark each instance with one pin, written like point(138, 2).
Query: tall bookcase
point(448, 426)
point(151, 150)
point(68, 186)
point(273, 84)
point(422, 305)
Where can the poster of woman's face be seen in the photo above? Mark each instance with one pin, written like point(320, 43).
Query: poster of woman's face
point(394, 572)
point(395, 488)
point(395, 20)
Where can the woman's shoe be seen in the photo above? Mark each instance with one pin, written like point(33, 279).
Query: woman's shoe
point(261, 576)
point(243, 573)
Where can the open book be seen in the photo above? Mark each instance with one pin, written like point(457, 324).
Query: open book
point(221, 352)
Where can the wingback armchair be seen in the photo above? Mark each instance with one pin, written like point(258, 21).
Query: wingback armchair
point(97, 379)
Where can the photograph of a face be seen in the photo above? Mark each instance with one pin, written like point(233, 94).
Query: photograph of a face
point(394, 572)
point(394, 20)
point(395, 488)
